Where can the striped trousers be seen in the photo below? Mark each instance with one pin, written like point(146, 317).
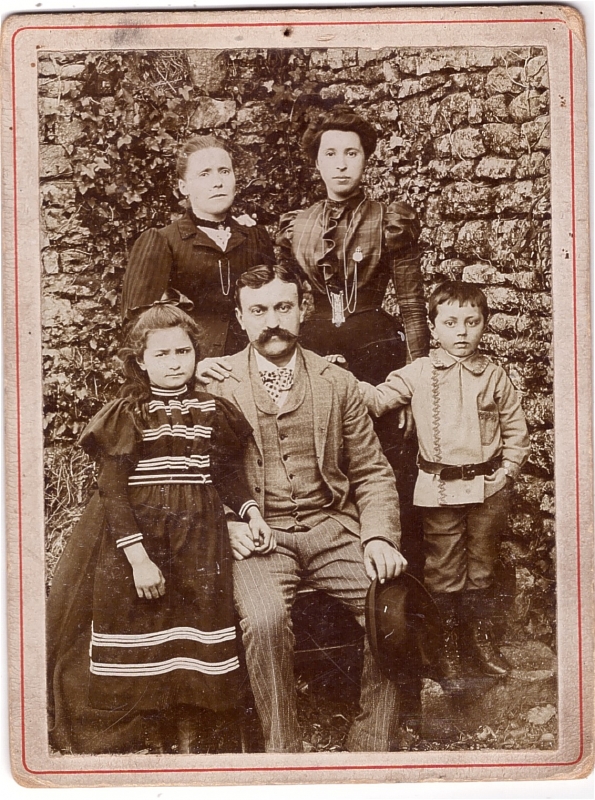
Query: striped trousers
point(327, 557)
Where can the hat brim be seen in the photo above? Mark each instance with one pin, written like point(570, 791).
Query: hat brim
point(403, 626)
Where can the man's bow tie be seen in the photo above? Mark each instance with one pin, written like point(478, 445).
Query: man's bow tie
point(276, 381)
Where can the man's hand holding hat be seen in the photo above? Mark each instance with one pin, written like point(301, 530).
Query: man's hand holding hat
point(382, 560)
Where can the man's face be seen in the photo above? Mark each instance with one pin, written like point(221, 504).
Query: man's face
point(271, 316)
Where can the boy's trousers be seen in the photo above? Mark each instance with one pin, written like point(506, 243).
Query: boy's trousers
point(461, 543)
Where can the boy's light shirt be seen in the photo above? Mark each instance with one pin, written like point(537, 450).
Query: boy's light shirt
point(466, 411)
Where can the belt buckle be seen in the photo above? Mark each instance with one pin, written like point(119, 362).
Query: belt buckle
point(468, 472)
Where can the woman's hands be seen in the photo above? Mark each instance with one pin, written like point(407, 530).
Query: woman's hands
point(217, 368)
point(148, 578)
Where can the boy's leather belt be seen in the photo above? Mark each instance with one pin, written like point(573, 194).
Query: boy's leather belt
point(466, 472)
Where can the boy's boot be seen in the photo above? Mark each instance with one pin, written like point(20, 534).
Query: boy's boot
point(449, 663)
point(477, 615)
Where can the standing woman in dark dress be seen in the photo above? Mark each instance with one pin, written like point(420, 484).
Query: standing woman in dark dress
point(201, 254)
point(350, 247)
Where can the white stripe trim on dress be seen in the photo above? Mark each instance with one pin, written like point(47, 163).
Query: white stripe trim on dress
point(171, 462)
point(161, 637)
point(130, 539)
point(162, 667)
point(248, 504)
point(183, 431)
point(184, 477)
point(180, 405)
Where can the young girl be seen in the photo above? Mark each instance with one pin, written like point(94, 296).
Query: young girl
point(163, 639)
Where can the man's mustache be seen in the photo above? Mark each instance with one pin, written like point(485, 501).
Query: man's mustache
point(281, 333)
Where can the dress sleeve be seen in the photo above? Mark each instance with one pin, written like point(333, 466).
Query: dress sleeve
point(147, 274)
point(112, 481)
point(113, 440)
point(284, 238)
point(266, 252)
point(230, 435)
point(401, 231)
point(112, 432)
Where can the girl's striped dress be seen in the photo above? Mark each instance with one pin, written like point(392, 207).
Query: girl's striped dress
point(165, 465)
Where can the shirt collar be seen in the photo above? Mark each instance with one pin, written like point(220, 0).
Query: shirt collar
point(160, 392)
point(351, 202)
point(264, 365)
point(475, 363)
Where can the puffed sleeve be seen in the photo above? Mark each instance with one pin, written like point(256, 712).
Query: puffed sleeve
point(401, 232)
point(147, 274)
point(230, 435)
point(265, 248)
point(113, 440)
point(284, 238)
point(112, 432)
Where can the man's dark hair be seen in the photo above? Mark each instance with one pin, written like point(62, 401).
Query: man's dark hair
point(260, 275)
point(466, 294)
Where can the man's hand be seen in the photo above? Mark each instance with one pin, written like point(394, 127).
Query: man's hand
point(382, 560)
point(262, 536)
point(209, 369)
point(406, 423)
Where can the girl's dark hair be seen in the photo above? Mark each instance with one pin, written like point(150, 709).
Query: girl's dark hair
point(466, 294)
point(340, 118)
point(193, 145)
point(157, 318)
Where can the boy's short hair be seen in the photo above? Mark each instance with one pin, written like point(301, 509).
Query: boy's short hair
point(466, 294)
point(260, 275)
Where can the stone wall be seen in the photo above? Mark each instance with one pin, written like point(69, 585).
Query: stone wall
point(464, 138)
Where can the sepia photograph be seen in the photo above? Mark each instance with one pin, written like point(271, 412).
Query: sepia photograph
point(298, 414)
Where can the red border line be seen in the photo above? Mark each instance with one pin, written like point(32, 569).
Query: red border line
point(576, 395)
point(18, 407)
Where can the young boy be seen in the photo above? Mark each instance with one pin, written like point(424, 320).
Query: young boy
point(473, 442)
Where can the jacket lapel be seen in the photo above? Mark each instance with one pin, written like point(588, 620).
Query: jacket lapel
point(322, 396)
point(243, 394)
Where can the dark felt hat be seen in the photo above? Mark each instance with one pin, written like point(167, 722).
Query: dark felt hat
point(404, 627)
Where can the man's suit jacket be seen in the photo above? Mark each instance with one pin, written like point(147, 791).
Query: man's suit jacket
point(351, 462)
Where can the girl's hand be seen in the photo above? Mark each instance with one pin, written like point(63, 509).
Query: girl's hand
point(262, 535)
point(148, 578)
point(209, 369)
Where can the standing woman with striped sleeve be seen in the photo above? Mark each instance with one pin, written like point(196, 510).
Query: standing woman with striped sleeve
point(350, 248)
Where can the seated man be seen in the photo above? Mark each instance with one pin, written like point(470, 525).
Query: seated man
point(323, 484)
